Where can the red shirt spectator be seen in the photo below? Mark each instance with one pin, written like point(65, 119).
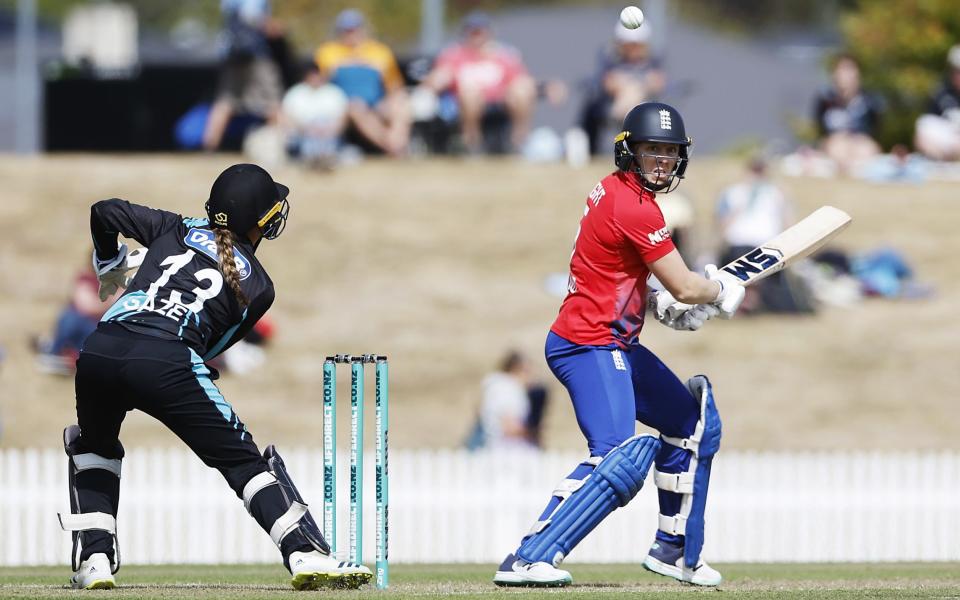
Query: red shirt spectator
point(490, 68)
point(484, 75)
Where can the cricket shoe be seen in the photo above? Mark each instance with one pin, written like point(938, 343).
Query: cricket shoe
point(666, 559)
point(515, 572)
point(312, 571)
point(94, 574)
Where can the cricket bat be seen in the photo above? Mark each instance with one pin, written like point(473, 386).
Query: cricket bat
point(794, 243)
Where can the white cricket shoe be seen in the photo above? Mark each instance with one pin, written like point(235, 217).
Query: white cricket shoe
point(667, 559)
point(94, 574)
point(313, 570)
point(519, 573)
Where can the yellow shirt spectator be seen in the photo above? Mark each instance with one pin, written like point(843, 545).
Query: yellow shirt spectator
point(366, 71)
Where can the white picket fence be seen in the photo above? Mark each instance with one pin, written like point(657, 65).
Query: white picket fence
point(452, 506)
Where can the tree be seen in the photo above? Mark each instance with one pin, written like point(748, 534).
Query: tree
point(902, 47)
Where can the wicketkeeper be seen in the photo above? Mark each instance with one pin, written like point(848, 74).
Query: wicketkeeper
point(199, 289)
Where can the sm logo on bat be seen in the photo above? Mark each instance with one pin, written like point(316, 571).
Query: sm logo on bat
point(753, 263)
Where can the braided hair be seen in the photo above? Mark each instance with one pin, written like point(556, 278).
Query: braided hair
point(225, 240)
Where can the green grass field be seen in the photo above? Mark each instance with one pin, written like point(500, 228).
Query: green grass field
point(911, 580)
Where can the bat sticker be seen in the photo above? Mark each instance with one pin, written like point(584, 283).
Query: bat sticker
point(753, 262)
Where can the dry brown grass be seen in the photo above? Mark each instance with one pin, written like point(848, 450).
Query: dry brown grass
point(440, 264)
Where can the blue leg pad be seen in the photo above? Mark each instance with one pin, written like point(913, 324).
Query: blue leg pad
point(693, 484)
point(695, 521)
point(614, 482)
point(709, 445)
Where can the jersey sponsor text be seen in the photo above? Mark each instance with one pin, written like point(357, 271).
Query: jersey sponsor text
point(659, 235)
point(204, 241)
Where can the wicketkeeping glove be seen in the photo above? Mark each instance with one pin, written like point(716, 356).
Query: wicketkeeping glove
point(115, 273)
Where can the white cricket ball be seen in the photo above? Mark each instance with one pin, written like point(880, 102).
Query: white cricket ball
point(631, 17)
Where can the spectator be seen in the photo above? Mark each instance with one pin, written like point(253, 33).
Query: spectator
point(488, 80)
point(249, 79)
point(750, 213)
point(938, 130)
point(505, 407)
point(315, 115)
point(367, 72)
point(627, 74)
point(847, 117)
point(77, 320)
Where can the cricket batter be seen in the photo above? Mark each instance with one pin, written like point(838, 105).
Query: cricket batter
point(200, 289)
point(613, 380)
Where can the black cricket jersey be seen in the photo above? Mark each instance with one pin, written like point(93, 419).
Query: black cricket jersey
point(178, 292)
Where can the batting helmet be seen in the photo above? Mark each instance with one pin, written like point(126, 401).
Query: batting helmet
point(244, 196)
point(652, 122)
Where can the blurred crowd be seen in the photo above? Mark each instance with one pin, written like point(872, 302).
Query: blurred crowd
point(353, 97)
point(848, 118)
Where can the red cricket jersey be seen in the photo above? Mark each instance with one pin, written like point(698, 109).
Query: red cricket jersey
point(622, 231)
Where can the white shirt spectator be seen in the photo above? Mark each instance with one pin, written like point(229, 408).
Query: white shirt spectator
point(310, 107)
point(503, 412)
point(752, 212)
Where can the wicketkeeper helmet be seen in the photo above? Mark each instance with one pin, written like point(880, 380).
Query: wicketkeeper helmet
point(244, 196)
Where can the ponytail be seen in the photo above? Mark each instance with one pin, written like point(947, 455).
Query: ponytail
point(228, 267)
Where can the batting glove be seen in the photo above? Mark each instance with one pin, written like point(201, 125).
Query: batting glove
point(678, 315)
point(731, 292)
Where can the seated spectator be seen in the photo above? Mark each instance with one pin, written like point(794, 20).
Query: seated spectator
point(505, 406)
point(748, 214)
point(627, 74)
point(847, 117)
point(485, 77)
point(938, 130)
point(314, 114)
point(367, 72)
point(250, 82)
point(511, 409)
point(77, 320)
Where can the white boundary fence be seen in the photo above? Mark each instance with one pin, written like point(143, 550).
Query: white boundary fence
point(451, 506)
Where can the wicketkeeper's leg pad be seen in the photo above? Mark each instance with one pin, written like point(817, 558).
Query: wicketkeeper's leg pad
point(293, 515)
point(693, 483)
point(94, 483)
point(614, 482)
